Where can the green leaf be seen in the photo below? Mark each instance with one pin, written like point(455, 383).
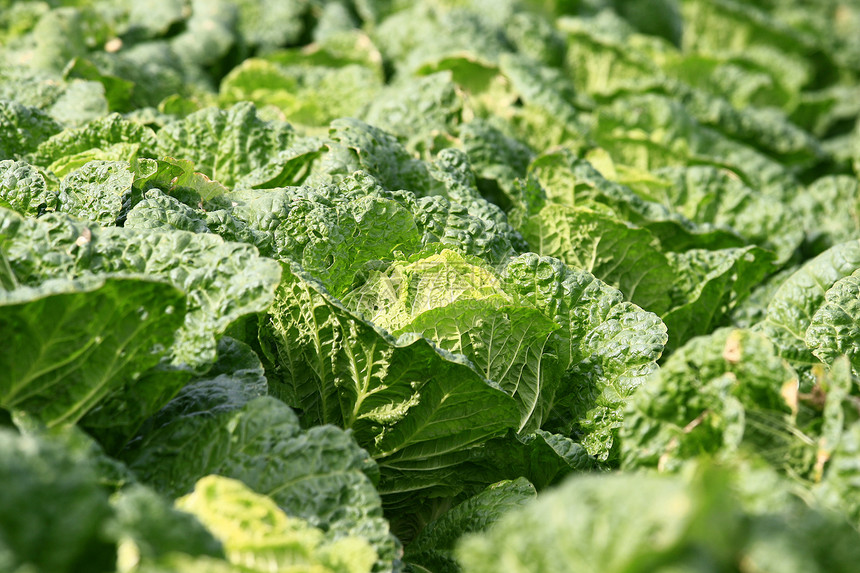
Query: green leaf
point(334, 241)
point(651, 131)
point(575, 182)
point(159, 211)
point(794, 304)
point(834, 329)
point(707, 194)
point(23, 188)
point(274, 539)
point(714, 395)
point(433, 549)
point(713, 25)
point(840, 451)
point(178, 178)
point(611, 524)
point(310, 474)
point(511, 345)
point(496, 158)
point(708, 286)
point(268, 24)
point(542, 458)
point(644, 522)
point(411, 404)
point(148, 528)
point(82, 101)
point(422, 112)
point(101, 133)
point(22, 129)
point(223, 281)
point(605, 63)
point(117, 91)
point(359, 146)
point(618, 253)
point(225, 144)
point(40, 476)
point(397, 295)
point(830, 209)
point(99, 191)
point(72, 343)
point(609, 346)
point(307, 94)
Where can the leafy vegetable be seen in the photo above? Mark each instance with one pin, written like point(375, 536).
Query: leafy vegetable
point(372, 285)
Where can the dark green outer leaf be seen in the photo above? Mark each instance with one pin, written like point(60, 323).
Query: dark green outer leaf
point(433, 549)
point(50, 498)
point(99, 192)
point(541, 457)
point(223, 280)
point(219, 427)
point(68, 344)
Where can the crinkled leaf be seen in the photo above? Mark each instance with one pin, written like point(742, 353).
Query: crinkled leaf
point(101, 133)
point(624, 256)
point(830, 209)
point(714, 395)
point(794, 304)
point(69, 344)
point(612, 524)
point(496, 158)
point(22, 129)
point(307, 94)
point(461, 307)
point(223, 281)
point(609, 346)
point(640, 522)
point(116, 91)
point(99, 191)
point(511, 345)
point(834, 329)
point(22, 188)
point(118, 152)
point(313, 474)
point(178, 178)
point(411, 404)
point(159, 211)
point(650, 131)
point(359, 146)
point(146, 526)
point(708, 285)
point(709, 194)
point(574, 182)
point(225, 144)
point(274, 539)
point(433, 549)
point(419, 111)
point(395, 296)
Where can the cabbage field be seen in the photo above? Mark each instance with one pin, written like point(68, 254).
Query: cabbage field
point(502, 286)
